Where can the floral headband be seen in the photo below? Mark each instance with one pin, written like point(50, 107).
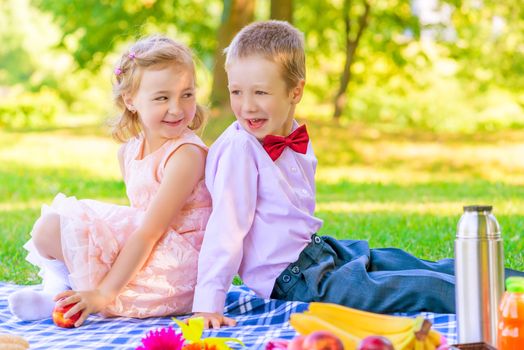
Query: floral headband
point(118, 70)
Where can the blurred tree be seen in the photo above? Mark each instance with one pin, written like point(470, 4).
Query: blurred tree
point(398, 55)
point(235, 15)
point(382, 37)
point(101, 25)
point(351, 49)
point(91, 29)
point(16, 64)
point(282, 10)
point(104, 24)
point(30, 89)
point(489, 45)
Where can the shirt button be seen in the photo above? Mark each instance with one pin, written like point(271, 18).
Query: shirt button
point(286, 278)
point(295, 270)
point(294, 169)
point(304, 192)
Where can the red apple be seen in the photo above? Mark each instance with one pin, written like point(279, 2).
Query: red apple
point(322, 340)
point(375, 342)
point(58, 316)
point(296, 343)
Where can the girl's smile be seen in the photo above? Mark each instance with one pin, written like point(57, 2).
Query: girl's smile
point(173, 122)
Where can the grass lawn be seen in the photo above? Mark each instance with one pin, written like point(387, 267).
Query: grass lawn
point(393, 188)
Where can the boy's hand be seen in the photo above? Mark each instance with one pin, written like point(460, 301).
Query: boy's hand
point(214, 320)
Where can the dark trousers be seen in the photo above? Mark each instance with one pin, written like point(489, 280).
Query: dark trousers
point(383, 280)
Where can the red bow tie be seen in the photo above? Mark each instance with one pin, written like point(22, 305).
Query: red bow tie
point(297, 141)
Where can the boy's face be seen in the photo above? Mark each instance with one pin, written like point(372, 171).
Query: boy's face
point(260, 98)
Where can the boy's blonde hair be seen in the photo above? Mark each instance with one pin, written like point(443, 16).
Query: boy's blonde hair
point(277, 41)
point(152, 51)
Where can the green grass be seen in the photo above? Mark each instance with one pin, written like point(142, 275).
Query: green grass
point(398, 188)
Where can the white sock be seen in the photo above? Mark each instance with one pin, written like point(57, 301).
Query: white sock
point(56, 277)
point(29, 304)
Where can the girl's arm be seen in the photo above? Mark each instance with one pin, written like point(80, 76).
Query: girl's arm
point(121, 160)
point(182, 173)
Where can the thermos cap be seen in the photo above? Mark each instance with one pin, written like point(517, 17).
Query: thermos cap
point(478, 222)
point(478, 208)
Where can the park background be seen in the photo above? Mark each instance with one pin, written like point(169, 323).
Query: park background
point(415, 108)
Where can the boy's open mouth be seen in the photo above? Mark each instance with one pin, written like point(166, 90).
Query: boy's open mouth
point(255, 123)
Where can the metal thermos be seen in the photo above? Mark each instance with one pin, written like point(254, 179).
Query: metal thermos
point(479, 275)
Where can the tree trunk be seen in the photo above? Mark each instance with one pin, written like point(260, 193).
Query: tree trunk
point(351, 48)
point(282, 10)
point(235, 15)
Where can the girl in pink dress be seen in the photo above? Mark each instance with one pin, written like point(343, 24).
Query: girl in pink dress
point(138, 260)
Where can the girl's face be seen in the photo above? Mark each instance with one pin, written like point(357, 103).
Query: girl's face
point(165, 102)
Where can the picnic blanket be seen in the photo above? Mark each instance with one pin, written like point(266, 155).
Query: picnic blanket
point(259, 320)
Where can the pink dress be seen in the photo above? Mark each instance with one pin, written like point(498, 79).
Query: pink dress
point(93, 233)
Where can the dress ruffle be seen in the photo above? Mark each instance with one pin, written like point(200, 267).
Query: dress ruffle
point(93, 233)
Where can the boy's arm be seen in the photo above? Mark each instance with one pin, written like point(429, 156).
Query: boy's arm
point(232, 177)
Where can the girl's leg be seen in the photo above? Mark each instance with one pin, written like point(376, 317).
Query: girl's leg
point(29, 304)
point(46, 237)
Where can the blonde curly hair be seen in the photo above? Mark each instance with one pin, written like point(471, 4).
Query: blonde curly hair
point(155, 50)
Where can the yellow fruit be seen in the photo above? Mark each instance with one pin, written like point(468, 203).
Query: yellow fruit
point(367, 321)
point(399, 330)
point(435, 337)
point(419, 345)
point(352, 326)
point(358, 324)
point(306, 324)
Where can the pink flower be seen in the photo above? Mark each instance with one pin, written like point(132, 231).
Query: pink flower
point(162, 339)
point(277, 344)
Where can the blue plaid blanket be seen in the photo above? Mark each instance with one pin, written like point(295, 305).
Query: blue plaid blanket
point(259, 320)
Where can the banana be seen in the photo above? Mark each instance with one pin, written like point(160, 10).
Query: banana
point(405, 333)
point(431, 344)
point(435, 337)
point(408, 344)
point(307, 323)
point(428, 345)
point(419, 345)
point(352, 327)
point(425, 337)
point(399, 330)
point(368, 321)
point(412, 340)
